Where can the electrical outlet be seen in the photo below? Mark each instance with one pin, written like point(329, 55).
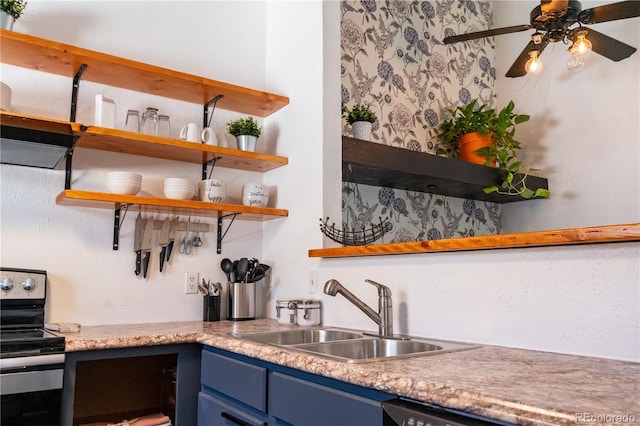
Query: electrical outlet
point(191, 283)
point(313, 282)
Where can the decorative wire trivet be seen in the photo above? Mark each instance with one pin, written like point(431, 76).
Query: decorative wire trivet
point(355, 237)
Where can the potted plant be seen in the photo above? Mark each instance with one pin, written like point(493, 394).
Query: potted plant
point(484, 136)
point(246, 131)
point(361, 118)
point(10, 10)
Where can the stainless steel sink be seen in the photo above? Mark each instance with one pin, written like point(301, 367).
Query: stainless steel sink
point(300, 336)
point(380, 349)
point(354, 346)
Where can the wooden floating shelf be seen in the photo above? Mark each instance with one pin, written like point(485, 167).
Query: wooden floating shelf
point(121, 141)
point(174, 149)
point(40, 54)
point(102, 200)
point(560, 237)
point(371, 163)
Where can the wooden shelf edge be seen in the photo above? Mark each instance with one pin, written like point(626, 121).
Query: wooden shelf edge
point(560, 237)
point(32, 122)
point(50, 56)
point(103, 200)
point(115, 140)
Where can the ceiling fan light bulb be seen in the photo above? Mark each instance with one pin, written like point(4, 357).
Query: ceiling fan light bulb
point(533, 65)
point(575, 63)
point(581, 46)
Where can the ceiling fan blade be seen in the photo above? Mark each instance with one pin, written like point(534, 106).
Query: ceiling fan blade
point(486, 33)
point(610, 12)
point(609, 47)
point(517, 69)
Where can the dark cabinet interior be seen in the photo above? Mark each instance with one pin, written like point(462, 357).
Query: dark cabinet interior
point(112, 390)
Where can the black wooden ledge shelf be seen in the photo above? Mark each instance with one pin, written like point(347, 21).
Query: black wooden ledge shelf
point(375, 164)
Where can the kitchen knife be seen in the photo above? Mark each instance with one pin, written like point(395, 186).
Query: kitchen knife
point(137, 241)
point(173, 227)
point(146, 246)
point(163, 241)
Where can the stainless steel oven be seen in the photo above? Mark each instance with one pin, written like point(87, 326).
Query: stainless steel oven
point(31, 358)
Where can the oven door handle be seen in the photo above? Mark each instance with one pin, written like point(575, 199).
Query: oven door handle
point(31, 361)
point(31, 381)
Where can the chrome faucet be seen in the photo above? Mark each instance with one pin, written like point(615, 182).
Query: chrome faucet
point(384, 316)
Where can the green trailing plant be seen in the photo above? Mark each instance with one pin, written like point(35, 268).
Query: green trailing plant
point(244, 126)
point(13, 7)
point(502, 127)
point(359, 112)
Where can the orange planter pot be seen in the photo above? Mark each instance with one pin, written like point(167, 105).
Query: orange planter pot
point(468, 145)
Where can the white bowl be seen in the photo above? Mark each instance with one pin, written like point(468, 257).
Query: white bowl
point(124, 177)
point(177, 182)
point(126, 188)
point(178, 194)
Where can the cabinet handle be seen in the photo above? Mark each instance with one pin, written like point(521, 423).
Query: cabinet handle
point(236, 420)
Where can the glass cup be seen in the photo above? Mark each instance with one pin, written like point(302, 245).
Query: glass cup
point(149, 124)
point(164, 126)
point(132, 122)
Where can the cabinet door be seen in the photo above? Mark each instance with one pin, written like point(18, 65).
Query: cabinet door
point(239, 380)
point(300, 402)
point(213, 411)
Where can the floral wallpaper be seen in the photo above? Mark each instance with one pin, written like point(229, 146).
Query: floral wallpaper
point(394, 61)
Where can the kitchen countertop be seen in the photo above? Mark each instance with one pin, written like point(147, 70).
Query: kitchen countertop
point(520, 386)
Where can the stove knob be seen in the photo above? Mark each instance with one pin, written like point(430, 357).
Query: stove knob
point(29, 284)
point(6, 284)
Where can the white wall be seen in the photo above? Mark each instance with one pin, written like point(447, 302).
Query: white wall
point(90, 283)
point(580, 300)
point(584, 128)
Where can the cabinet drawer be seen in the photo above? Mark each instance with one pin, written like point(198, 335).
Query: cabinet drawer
point(301, 402)
point(213, 411)
point(239, 380)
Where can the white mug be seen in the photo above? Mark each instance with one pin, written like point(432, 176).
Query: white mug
point(255, 194)
point(209, 136)
point(190, 132)
point(212, 190)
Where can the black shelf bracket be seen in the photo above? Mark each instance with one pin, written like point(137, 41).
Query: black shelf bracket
point(74, 92)
point(220, 234)
point(205, 167)
point(117, 223)
point(206, 120)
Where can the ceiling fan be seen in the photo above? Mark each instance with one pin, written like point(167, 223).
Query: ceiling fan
point(556, 20)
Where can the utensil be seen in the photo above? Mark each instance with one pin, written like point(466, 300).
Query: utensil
point(185, 243)
point(137, 241)
point(203, 288)
point(227, 267)
point(234, 273)
point(197, 241)
point(173, 227)
point(163, 241)
point(146, 246)
point(243, 268)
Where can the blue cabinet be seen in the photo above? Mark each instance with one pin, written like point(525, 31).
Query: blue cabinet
point(239, 390)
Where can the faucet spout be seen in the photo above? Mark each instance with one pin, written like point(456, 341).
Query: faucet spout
point(383, 318)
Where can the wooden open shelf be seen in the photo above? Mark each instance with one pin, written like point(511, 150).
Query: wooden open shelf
point(53, 57)
point(371, 163)
point(140, 144)
point(103, 200)
point(174, 149)
point(560, 237)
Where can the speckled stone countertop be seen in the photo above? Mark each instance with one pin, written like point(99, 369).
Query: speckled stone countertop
point(515, 385)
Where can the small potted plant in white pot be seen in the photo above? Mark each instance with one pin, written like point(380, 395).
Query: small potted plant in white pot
point(10, 10)
point(246, 131)
point(361, 118)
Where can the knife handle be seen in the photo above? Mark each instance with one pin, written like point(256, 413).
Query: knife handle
point(163, 252)
point(169, 250)
point(138, 261)
point(145, 263)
